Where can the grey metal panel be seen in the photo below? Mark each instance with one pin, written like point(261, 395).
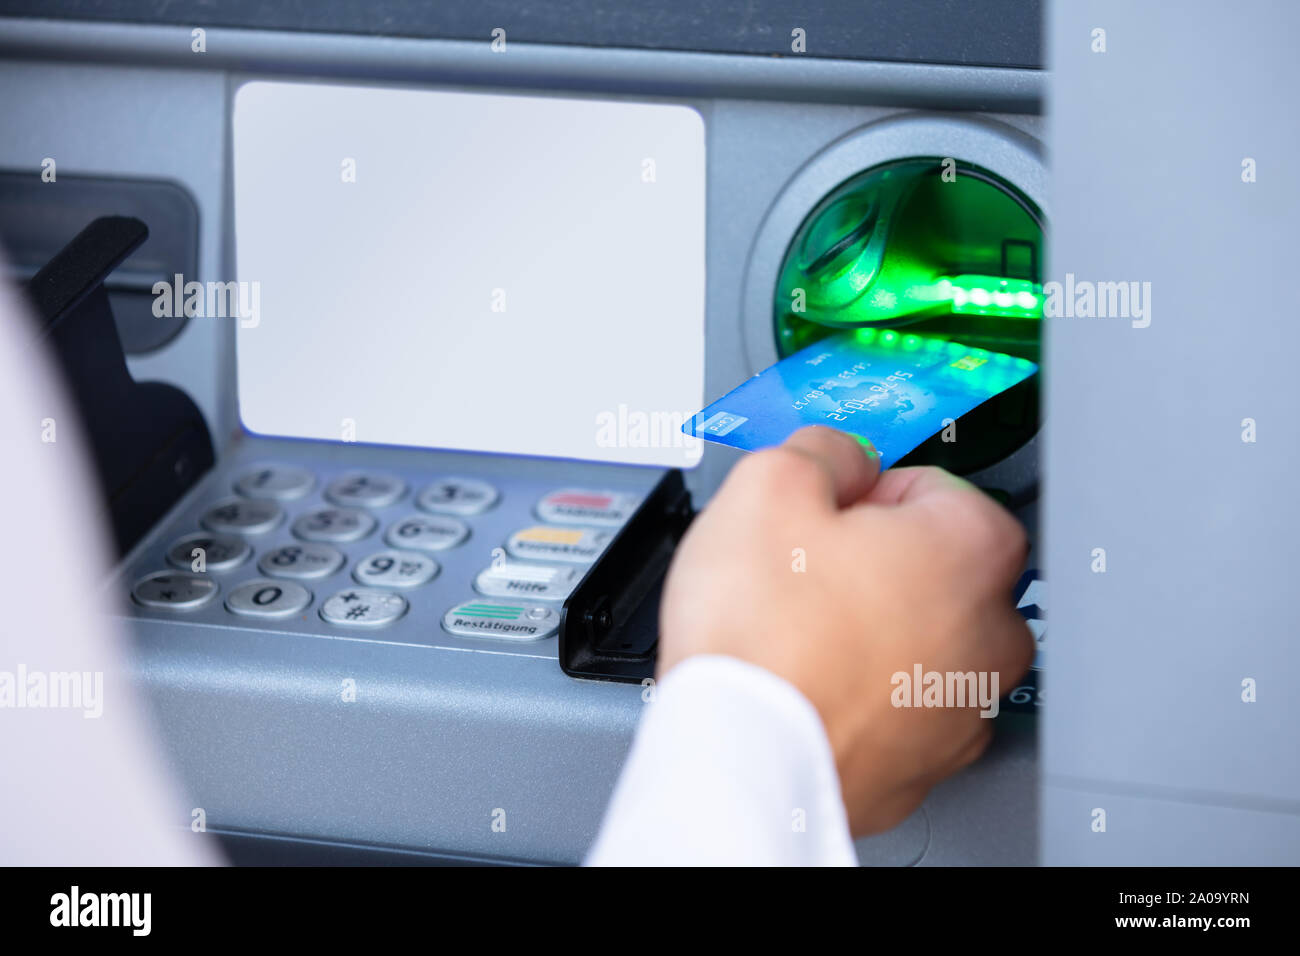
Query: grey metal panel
point(1145, 449)
point(992, 32)
point(534, 66)
point(1145, 830)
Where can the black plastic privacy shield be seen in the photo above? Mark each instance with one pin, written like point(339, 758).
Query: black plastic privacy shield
point(148, 440)
point(609, 629)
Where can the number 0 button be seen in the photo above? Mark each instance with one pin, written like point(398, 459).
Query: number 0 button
point(270, 599)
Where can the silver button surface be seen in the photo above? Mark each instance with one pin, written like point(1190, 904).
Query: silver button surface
point(219, 552)
point(363, 607)
point(427, 533)
point(518, 580)
point(458, 496)
point(549, 543)
point(396, 569)
point(365, 489)
point(333, 524)
point(269, 599)
point(243, 516)
point(279, 482)
point(302, 562)
point(606, 509)
point(506, 620)
point(174, 590)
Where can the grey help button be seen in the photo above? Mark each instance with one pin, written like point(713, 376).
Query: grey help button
point(519, 580)
point(503, 620)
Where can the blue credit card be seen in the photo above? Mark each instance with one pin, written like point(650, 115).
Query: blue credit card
point(890, 387)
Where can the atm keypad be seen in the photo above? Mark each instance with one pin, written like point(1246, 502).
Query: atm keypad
point(393, 559)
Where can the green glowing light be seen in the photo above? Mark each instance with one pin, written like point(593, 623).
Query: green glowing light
point(992, 295)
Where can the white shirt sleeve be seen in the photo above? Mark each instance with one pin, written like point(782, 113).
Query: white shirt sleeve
point(730, 766)
point(85, 782)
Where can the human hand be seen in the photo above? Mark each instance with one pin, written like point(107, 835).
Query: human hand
point(812, 564)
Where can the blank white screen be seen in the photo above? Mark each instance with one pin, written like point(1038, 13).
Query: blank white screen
point(584, 218)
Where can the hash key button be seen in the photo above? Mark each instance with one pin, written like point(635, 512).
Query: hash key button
point(363, 607)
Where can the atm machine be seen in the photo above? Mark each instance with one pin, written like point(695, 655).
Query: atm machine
point(395, 601)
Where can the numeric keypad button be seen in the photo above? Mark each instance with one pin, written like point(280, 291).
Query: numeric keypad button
point(243, 516)
point(303, 562)
point(427, 533)
point(395, 569)
point(365, 489)
point(513, 579)
point(608, 509)
point(333, 524)
point(268, 599)
point(278, 482)
point(502, 620)
point(457, 496)
point(209, 553)
point(174, 590)
point(548, 543)
point(363, 607)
